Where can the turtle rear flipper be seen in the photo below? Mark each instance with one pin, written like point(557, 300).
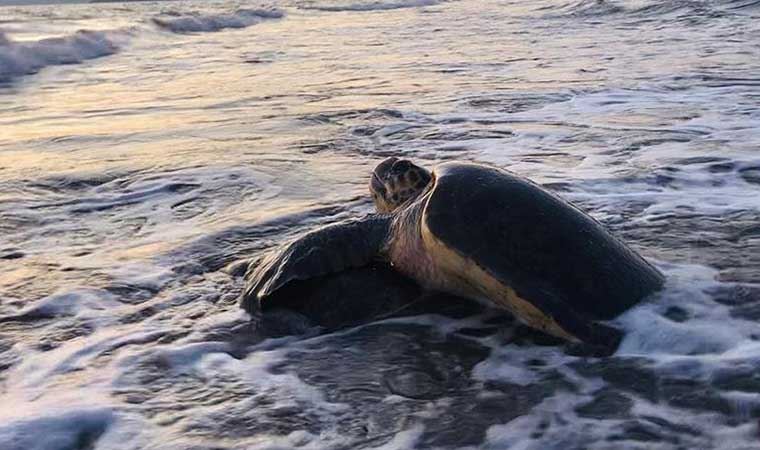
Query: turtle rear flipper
point(330, 249)
point(591, 338)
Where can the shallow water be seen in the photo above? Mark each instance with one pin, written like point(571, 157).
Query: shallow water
point(142, 156)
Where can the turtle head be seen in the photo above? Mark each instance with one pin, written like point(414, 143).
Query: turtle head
point(395, 182)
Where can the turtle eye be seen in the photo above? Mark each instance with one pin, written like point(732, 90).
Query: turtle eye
point(424, 179)
point(400, 166)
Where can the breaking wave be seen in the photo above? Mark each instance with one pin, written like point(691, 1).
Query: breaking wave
point(372, 5)
point(24, 58)
point(196, 23)
point(679, 9)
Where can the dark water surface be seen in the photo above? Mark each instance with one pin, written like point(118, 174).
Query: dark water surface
point(145, 147)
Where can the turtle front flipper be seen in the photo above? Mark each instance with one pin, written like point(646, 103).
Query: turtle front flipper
point(330, 249)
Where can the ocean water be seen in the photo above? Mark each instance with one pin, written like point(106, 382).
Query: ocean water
point(147, 148)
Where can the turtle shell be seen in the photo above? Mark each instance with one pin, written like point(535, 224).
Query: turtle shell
point(541, 247)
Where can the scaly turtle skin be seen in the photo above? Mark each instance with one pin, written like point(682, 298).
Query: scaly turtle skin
point(483, 233)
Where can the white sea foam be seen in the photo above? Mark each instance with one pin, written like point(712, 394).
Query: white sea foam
point(406, 439)
point(78, 302)
point(195, 23)
point(710, 330)
point(23, 58)
point(67, 429)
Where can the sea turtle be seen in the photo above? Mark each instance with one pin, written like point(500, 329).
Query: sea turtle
point(483, 233)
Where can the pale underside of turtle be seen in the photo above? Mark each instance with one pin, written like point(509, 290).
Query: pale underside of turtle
point(486, 234)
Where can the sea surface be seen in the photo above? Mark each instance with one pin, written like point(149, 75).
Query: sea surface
point(148, 149)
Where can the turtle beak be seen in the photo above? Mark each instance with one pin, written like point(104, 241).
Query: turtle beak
point(377, 188)
point(376, 184)
point(380, 173)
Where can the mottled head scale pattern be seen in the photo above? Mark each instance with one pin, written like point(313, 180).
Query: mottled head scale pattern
point(395, 181)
